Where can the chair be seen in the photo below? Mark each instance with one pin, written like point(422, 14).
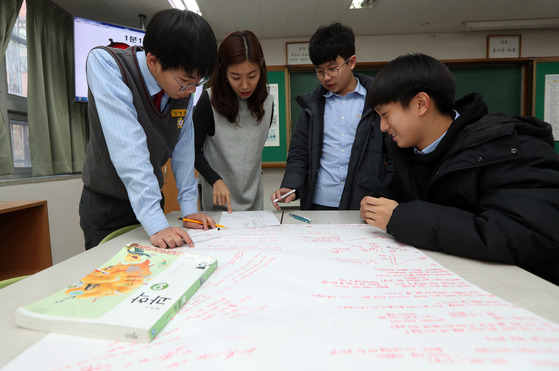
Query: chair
point(118, 232)
point(9, 281)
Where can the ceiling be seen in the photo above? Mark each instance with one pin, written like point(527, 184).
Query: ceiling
point(286, 19)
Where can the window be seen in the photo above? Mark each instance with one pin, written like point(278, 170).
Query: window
point(15, 85)
point(20, 144)
point(16, 56)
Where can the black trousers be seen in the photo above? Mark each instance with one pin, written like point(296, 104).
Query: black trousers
point(100, 215)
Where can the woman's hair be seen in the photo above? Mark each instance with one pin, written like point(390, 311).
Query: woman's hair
point(236, 48)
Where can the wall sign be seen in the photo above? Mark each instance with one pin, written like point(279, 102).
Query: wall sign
point(503, 46)
point(297, 53)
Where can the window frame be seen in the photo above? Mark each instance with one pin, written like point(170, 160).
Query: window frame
point(14, 107)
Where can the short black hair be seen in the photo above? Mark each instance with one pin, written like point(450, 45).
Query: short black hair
point(402, 78)
point(330, 41)
point(181, 40)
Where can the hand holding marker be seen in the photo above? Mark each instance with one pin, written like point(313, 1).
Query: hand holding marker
point(199, 222)
point(284, 196)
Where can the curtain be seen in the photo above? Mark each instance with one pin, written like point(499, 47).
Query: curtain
point(9, 10)
point(58, 132)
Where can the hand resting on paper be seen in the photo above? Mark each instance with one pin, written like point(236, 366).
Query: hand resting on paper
point(171, 237)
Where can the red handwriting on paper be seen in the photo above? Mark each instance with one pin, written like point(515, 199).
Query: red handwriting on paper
point(354, 284)
point(247, 242)
point(415, 323)
point(400, 260)
point(229, 353)
point(247, 269)
point(249, 245)
point(340, 249)
point(429, 355)
point(324, 239)
point(377, 255)
point(239, 268)
point(371, 247)
point(225, 308)
point(174, 358)
point(320, 236)
point(356, 261)
point(420, 278)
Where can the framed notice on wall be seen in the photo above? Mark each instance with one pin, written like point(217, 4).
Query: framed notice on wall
point(297, 53)
point(546, 93)
point(503, 46)
point(277, 143)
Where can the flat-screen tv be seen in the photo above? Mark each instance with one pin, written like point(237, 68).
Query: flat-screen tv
point(89, 34)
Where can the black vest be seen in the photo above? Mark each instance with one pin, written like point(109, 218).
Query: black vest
point(161, 129)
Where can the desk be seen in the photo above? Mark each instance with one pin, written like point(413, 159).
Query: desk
point(508, 282)
point(25, 246)
point(527, 290)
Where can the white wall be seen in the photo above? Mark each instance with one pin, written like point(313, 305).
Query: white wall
point(63, 195)
point(471, 45)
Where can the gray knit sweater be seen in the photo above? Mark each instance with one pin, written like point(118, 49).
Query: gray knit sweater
point(235, 153)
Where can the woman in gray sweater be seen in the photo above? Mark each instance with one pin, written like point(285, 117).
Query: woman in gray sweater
point(231, 123)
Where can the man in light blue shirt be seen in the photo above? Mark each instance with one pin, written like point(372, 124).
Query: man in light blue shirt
point(336, 155)
point(342, 114)
point(140, 115)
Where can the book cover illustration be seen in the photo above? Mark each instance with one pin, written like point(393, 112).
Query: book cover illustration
point(130, 297)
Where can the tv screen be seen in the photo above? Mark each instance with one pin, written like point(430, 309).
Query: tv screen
point(89, 34)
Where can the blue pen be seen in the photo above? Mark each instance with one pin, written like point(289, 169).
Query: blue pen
point(301, 218)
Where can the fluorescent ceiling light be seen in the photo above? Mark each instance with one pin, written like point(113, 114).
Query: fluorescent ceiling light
point(192, 5)
point(360, 4)
point(177, 4)
point(512, 24)
point(186, 4)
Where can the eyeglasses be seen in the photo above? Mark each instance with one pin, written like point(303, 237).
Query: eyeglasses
point(331, 72)
point(191, 85)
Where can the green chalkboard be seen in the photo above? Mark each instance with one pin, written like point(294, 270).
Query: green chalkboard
point(277, 155)
point(500, 85)
point(541, 69)
point(300, 83)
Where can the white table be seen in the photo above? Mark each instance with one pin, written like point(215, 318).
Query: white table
point(510, 283)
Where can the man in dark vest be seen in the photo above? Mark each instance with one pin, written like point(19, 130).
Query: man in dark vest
point(140, 115)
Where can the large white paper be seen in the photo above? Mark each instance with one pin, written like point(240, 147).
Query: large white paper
point(323, 297)
point(248, 219)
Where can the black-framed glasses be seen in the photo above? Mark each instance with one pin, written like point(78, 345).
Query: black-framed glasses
point(190, 85)
point(331, 72)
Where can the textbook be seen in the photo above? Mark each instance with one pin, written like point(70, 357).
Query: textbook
point(131, 297)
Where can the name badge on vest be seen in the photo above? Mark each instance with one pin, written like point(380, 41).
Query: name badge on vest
point(181, 114)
